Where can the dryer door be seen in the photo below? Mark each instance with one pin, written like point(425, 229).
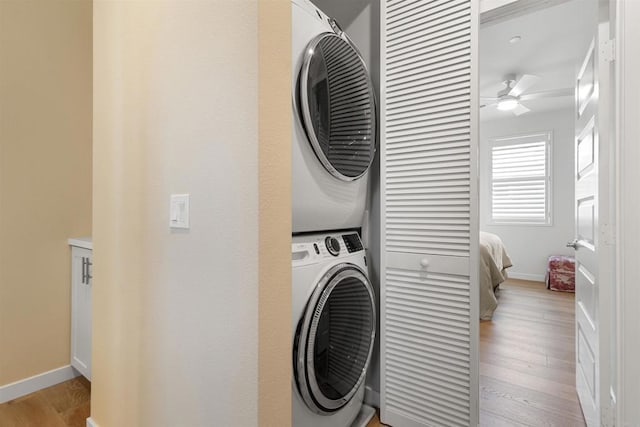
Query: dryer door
point(334, 339)
point(337, 105)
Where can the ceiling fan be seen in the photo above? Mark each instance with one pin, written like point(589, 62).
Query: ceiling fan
point(510, 98)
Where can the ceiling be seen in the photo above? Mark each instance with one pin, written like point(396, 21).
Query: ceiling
point(554, 42)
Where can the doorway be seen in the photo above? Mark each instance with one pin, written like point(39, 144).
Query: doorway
point(527, 198)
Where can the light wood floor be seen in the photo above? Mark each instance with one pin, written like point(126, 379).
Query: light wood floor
point(527, 359)
point(375, 422)
point(63, 405)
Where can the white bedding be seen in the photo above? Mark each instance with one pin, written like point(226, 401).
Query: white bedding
point(493, 263)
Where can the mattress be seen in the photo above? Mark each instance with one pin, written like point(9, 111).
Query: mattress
point(494, 261)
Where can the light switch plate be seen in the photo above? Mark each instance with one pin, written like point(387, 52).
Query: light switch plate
point(179, 211)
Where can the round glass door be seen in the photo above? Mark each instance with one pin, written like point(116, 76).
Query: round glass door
point(335, 339)
point(337, 106)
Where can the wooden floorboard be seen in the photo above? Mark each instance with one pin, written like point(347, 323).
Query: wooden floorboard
point(62, 405)
point(527, 359)
point(375, 422)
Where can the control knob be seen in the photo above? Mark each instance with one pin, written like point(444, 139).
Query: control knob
point(333, 245)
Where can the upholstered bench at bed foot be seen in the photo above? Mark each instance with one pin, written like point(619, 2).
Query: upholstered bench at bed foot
point(561, 273)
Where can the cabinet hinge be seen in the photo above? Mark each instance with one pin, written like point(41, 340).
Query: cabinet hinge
point(608, 50)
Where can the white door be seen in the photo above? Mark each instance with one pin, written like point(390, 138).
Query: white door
point(429, 215)
point(593, 244)
point(81, 283)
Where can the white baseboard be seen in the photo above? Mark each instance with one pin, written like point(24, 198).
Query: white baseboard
point(37, 382)
point(525, 276)
point(371, 397)
point(91, 423)
point(364, 416)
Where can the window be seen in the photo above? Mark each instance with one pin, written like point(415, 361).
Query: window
point(520, 180)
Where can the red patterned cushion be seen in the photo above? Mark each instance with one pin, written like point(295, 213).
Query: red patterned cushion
point(561, 273)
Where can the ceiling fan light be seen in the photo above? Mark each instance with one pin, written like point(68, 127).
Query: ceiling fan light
point(507, 104)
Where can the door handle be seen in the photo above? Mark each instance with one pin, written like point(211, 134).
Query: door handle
point(424, 262)
point(84, 270)
point(574, 244)
point(89, 265)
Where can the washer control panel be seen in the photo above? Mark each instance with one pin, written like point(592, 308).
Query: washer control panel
point(308, 249)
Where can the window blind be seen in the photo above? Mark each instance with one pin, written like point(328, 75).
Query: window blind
point(520, 180)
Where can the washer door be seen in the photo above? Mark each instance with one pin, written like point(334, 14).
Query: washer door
point(334, 339)
point(337, 105)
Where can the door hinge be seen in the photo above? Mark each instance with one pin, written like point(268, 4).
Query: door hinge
point(607, 417)
point(608, 234)
point(608, 50)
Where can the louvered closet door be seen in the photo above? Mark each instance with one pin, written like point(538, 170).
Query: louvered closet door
point(429, 294)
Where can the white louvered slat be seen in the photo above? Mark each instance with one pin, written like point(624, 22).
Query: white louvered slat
point(429, 212)
point(428, 346)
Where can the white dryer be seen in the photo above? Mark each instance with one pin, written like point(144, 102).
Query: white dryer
point(334, 324)
point(334, 124)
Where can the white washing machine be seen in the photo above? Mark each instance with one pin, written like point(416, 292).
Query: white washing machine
point(334, 324)
point(334, 124)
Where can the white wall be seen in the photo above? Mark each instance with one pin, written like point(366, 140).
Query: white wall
point(530, 246)
point(175, 312)
point(487, 5)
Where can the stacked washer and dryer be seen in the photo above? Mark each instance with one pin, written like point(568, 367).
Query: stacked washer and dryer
point(334, 136)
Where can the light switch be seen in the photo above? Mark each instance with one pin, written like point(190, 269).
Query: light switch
point(179, 211)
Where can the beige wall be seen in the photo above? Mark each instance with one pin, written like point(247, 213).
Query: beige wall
point(45, 176)
point(176, 314)
point(274, 370)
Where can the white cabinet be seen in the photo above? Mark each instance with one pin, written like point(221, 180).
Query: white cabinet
point(81, 284)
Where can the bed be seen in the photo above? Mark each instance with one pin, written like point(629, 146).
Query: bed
point(493, 264)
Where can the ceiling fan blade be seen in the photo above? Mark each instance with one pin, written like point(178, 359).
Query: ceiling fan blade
point(488, 99)
point(558, 93)
point(487, 104)
point(523, 83)
point(520, 109)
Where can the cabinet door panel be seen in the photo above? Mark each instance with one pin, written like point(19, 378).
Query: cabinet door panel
point(81, 311)
point(429, 297)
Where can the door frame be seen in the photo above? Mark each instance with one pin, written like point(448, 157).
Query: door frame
point(626, 349)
